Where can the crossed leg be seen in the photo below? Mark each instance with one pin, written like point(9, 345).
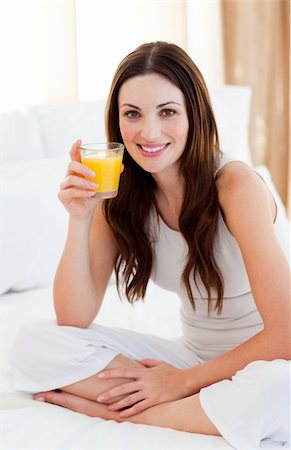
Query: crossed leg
point(185, 414)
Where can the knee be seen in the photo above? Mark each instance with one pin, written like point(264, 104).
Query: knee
point(29, 336)
point(34, 330)
point(40, 339)
point(271, 396)
point(257, 397)
point(269, 379)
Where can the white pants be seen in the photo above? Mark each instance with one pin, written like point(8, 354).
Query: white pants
point(253, 406)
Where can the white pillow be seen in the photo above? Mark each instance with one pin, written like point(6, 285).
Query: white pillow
point(282, 223)
point(62, 125)
point(33, 223)
point(231, 105)
point(20, 137)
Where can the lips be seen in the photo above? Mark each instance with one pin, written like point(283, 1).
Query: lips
point(152, 149)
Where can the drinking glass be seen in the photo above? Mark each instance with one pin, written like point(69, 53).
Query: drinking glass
point(105, 159)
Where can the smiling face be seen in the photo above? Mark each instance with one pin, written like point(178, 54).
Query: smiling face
point(153, 121)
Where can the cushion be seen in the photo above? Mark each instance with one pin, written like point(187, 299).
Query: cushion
point(50, 130)
point(282, 222)
point(62, 125)
point(20, 137)
point(231, 105)
point(33, 223)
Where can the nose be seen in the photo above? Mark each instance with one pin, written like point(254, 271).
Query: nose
point(150, 129)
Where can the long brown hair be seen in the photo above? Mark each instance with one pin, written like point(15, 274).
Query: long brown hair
point(129, 211)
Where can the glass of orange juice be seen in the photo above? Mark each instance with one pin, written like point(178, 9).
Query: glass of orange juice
point(105, 160)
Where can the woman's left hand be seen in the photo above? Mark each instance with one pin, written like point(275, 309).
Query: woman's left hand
point(158, 382)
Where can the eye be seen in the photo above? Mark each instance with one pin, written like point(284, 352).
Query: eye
point(132, 114)
point(168, 112)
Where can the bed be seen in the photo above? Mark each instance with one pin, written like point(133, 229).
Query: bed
point(32, 232)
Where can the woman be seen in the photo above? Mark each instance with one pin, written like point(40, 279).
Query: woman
point(198, 224)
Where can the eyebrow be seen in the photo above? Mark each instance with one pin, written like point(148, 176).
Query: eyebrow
point(158, 106)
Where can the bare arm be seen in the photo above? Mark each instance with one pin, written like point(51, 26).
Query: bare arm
point(90, 250)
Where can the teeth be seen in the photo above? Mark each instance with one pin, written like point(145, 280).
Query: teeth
point(152, 150)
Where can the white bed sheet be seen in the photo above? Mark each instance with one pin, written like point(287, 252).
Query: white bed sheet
point(29, 425)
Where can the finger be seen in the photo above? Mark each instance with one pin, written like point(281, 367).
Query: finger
point(60, 398)
point(75, 181)
point(75, 151)
point(78, 168)
point(122, 389)
point(69, 194)
point(119, 373)
point(137, 408)
point(126, 402)
point(70, 401)
point(149, 362)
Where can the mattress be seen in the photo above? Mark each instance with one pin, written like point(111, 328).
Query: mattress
point(26, 424)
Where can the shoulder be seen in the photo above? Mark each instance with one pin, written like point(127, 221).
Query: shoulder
point(234, 177)
point(243, 194)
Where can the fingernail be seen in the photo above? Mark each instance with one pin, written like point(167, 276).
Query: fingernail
point(40, 399)
point(91, 174)
point(100, 398)
point(101, 375)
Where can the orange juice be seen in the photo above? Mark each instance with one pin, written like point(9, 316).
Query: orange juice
point(107, 172)
point(105, 159)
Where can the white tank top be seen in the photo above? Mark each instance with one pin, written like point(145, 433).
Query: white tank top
point(208, 335)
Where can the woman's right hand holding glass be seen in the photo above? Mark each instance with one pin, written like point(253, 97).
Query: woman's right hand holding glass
point(76, 193)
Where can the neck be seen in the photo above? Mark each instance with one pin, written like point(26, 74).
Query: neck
point(169, 191)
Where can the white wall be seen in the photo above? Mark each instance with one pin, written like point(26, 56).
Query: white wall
point(37, 52)
point(52, 51)
point(108, 30)
point(205, 40)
